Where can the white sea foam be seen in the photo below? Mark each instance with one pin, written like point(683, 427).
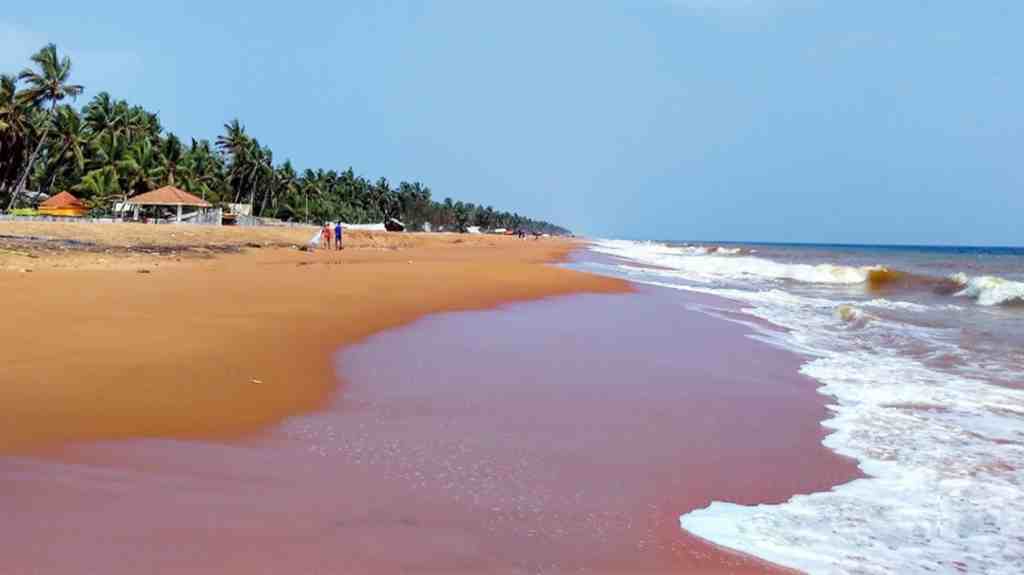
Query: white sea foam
point(990, 290)
point(853, 315)
point(942, 451)
point(896, 305)
point(699, 264)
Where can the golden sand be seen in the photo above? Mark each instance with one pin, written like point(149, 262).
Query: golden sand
point(207, 343)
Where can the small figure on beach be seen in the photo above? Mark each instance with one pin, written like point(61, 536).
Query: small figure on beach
point(337, 236)
point(325, 236)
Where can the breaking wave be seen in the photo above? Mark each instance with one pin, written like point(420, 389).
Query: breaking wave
point(940, 445)
point(710, 264)
point(990, 290)
point(713, 263)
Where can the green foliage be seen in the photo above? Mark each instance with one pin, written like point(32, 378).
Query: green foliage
point(100, 189)
point(48, 81)
point(111, 150)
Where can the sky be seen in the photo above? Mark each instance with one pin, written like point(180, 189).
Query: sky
point(784, 120)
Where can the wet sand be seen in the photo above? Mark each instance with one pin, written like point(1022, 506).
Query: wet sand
point(221, 346)
point(559, 436)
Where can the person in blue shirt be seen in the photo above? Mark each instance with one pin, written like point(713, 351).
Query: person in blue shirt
point(337, 236)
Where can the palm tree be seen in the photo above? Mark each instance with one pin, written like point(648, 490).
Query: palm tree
point(112, 148)
point(249, 168)
point(9, 107)
point(47, 84)
point(202, 169)
point(16, 129)
point(286, 189)
point(73, 141)
point(310, 184)
point(140, 168)
point(171, 154)
point(100, 188)
point(102, 114)
point(136, 123)
point(237, 145)
point(107, 150)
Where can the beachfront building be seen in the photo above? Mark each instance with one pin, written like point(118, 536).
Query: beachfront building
point(168, 199)
point(63, 204)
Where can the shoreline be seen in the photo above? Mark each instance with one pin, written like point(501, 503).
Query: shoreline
point(921, 398)
point(492, 276)
point(218, 347)
point(416, 466)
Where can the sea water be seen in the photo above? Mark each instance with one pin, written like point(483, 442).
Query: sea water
point(921, 352)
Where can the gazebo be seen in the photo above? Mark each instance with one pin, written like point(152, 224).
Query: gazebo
point(63, 204)
point(166, 197)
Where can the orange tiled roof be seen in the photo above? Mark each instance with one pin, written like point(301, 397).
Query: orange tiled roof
point(168, 196)
point(63, 200)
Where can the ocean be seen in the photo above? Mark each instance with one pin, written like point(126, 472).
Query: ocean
point(920, 351)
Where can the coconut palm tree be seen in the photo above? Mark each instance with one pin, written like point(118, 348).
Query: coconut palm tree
point(136, 123)
point(250, 170)
point(73, 141)
point(171, 154)
point(102, 114)
point(100, 188)
point(140, 168)
point(48, 84)
point(202, 170)
point(385, 200)
point(268, 177)
point(113, 148)
point(236, 145)
point(106, 150)
point(16, 130)
point(286, 182)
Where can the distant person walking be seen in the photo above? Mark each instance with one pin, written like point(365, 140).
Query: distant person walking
point(325, 236)
point(337, 237)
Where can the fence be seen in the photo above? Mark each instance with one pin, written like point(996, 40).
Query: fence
point(211, 217)
point(10, 218)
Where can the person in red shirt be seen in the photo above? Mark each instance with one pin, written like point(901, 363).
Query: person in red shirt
point(325, 236)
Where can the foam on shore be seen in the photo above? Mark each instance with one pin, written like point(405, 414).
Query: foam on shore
point(942, 449)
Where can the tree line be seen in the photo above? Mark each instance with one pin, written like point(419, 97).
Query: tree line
point(109, 150)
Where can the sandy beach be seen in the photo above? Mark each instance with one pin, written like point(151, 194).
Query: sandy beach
point(386, 409)
point(662, 288)
point(207, 344)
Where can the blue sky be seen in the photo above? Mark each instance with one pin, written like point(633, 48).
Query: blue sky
point(878, 122)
